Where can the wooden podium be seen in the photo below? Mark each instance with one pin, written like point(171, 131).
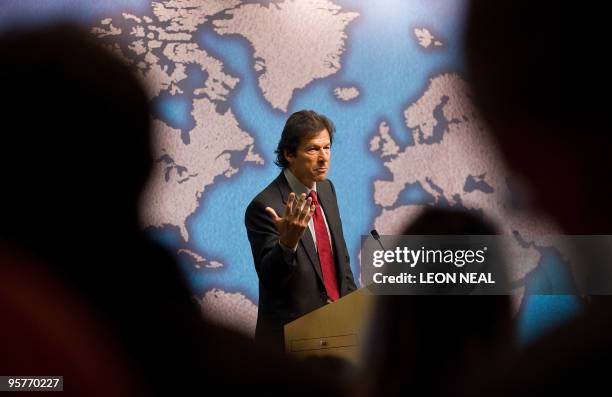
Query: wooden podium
point(337, 329)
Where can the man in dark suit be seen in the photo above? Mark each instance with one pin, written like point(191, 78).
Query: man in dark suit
point(295, 230)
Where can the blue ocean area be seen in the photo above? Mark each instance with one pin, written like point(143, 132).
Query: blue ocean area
point(175, 110)
point(386, 88)
point(391, 71)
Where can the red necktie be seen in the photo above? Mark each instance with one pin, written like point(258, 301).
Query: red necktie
point(325, 253)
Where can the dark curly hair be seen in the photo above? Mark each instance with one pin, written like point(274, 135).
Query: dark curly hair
point(299, 125)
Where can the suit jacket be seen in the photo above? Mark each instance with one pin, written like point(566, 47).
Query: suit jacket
point(288, 290)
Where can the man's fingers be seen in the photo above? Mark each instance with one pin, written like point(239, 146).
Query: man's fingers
point(273, 214)
point(289, 206)
point(310, 213)
point(300, 205)
point(305, 210)
point(299, 202)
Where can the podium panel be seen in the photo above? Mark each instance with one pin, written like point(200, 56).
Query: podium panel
point(336, 329)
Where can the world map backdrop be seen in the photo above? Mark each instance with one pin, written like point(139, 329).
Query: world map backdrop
point(223, 76)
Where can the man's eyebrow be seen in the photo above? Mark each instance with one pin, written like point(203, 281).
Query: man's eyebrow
point(314, 145)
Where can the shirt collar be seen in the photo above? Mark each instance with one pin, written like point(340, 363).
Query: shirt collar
point(295, 185)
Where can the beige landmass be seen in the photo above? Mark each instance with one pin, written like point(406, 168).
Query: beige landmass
point(231, 310)
point(188, 15)
point(383, 142)
point(160, 49)
point(199, 259)
point(465, 149)
point(218, 84)
point(295, 43)
point(426, 39)
point(173, 41)
point(346, 93)
point(215, 136)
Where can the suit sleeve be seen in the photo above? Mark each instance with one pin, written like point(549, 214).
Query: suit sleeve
point(274, 265)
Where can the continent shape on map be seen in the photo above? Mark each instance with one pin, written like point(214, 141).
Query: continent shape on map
point(216, 304)
point(161, 47)
point(451, 147)
point(295, 43)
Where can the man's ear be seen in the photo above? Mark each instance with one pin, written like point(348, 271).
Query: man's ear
point(288, 156)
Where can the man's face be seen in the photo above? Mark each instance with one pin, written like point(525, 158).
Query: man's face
point(311, 160)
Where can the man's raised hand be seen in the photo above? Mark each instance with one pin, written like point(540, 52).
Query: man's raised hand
point(294, 221)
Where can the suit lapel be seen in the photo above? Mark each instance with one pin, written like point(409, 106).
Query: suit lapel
point(306, 241)
point(308, 244)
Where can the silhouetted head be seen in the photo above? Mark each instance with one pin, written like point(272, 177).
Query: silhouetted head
point(75, 134)
point(538, 72)
point(470, 317)
point(435, 344)
point(75, 139)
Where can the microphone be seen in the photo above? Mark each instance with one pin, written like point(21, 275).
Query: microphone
point(376, 236)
